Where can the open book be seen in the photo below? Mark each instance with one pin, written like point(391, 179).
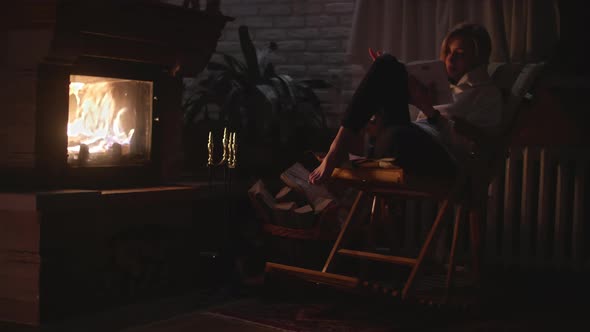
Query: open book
point(289, 213)
point(297, 177)
point(432, 72)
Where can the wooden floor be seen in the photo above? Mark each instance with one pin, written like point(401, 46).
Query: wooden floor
point(147, 314)
point(202, 321)
point(533, 302)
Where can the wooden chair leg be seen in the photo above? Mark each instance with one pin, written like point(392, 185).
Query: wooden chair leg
point(451, 271)
point(382, 213)
point(475, 243)
point(343, 230)
point(370, 230)
point(392, 224)
point(425, 249)
point(372, 223)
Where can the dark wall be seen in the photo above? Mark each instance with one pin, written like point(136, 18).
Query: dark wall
point(571, 53)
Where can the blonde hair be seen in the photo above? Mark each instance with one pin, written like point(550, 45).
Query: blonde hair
point(476, 34)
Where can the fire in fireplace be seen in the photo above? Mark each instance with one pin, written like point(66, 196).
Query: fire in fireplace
point(109, 121)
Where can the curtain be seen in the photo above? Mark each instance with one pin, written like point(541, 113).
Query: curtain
point(521, 30)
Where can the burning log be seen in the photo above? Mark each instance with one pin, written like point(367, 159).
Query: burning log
point(83, 154)
point(116, 152)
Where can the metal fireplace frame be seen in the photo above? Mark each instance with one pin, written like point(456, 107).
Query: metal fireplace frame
point(52, 119)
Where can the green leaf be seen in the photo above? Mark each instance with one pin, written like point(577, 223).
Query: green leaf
point(195, 107)
point(217, 66)
point(289, 86)
point(249, 52)
point(269, 93)
point(275, 109)
point(236, 66)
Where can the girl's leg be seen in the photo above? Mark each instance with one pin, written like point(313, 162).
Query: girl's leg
point(384, 87)
point(419, 154)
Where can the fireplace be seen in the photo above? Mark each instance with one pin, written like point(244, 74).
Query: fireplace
point(104, 123)
point(102, 93)
point(90, 145)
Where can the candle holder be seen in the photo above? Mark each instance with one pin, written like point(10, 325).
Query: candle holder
point(228, 158)
point(210, 150)
point(228, 162)
point(233, 151)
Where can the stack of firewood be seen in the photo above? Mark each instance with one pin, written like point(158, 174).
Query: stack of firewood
point(298, 205)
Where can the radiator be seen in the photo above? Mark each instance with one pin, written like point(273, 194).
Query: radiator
point(536, 212)
point(536, 215)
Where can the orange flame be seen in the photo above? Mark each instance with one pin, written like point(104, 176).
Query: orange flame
point(96, 121)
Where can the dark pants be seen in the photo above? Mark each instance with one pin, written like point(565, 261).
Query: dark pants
point(384, 91)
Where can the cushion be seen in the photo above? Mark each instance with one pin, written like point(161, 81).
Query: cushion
point(504, 74)
point(515, 82)
point(524, 81)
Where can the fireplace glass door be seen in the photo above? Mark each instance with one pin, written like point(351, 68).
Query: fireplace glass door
point(109, 121)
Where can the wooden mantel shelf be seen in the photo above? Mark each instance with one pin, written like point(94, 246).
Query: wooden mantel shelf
point(60, 198)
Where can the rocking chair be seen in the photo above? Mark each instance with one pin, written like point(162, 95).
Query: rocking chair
point(467, 192)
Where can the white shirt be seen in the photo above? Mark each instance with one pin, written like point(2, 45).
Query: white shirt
point(477, 100)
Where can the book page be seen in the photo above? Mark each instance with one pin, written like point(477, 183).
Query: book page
point(432, 71)
point(259, 190)
point(297, 177)
point(263, 201)
point(321, 204)
point(283, 193)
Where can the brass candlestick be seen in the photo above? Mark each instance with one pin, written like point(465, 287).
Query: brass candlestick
point(228, 162)
point(210, 150)
point(224, 143)
point(230, 148)
point(233, 147)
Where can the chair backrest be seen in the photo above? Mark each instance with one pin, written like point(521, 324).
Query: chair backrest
point(515, 81)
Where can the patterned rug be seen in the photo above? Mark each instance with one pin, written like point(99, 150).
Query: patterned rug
point(335, 316)
point(363, 316)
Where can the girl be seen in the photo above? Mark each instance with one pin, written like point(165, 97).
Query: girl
point(434, 144)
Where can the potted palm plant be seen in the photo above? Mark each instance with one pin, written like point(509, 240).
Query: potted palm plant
point(276, 117)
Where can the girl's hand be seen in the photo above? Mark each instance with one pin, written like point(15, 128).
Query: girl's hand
point(324, 171)
point(337, 154)
point(374, 54)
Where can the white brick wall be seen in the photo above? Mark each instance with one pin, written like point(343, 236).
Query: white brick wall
point(312, 36)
